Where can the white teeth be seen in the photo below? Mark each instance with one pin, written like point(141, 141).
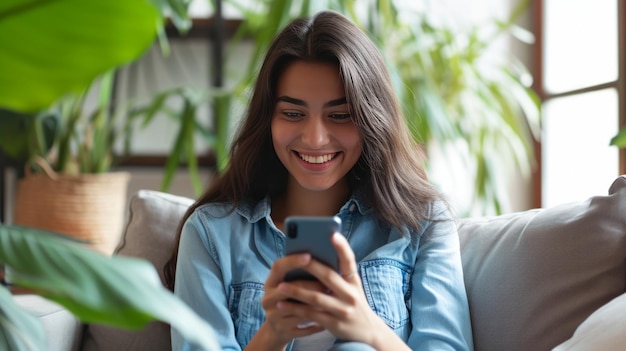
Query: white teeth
point(317, 159)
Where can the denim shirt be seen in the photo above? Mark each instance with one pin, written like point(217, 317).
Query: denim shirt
point(413, 283)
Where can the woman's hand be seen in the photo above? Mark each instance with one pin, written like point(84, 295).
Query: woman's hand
point(281, 325)
point(337, 302)
point(347, 314)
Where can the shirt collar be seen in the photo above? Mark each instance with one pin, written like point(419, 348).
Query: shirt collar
point(254, 212)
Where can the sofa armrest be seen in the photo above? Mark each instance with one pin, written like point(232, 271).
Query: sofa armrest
point(150, 234)
point(63, 329)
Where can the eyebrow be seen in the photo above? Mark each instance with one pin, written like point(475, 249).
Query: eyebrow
point(288, 99)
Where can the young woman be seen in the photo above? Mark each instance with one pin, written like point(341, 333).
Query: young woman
point(324, 136)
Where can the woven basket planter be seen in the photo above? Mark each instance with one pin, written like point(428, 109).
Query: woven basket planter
point(88, 207)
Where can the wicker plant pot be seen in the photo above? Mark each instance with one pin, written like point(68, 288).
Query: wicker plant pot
point(88, 207)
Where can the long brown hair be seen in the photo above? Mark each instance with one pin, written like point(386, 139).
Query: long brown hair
point(390, 170)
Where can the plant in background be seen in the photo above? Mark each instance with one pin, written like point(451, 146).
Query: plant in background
point(452, 97)
point(186, 117)
point(619, 139)
point(79, 141)
point(67, 137)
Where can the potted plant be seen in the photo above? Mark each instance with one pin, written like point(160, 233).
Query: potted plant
point(71, 144)
point(67, 171)
point(76, 42)
point(68, 148)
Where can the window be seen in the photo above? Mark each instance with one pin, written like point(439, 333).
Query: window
point(580, 75)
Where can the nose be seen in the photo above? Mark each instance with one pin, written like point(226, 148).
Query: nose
point(315, 132)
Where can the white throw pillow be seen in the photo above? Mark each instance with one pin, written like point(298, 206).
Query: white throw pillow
point(605, 329)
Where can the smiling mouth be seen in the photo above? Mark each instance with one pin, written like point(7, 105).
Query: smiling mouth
point(317, 159)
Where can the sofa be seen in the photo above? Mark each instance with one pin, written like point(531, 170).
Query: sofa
point(541, 279)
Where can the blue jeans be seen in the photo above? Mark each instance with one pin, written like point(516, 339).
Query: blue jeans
point(351, 346)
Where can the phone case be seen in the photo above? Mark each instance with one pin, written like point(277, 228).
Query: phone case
point(311, 234)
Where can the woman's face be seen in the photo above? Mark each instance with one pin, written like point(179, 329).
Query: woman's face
point(312, 131)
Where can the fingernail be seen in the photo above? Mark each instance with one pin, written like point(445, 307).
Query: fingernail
point(338, 236)
point(305, 258)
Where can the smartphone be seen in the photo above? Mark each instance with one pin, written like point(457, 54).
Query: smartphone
point(311, 234)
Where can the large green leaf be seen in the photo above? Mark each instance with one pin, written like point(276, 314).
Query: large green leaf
point(52, 47)
point(19, 330)
point(120, 291)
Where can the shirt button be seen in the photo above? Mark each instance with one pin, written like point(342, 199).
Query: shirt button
point(352, 207)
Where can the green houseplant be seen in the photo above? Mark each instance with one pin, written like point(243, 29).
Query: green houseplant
point(64, 138)
point(68, 156)
point(76, 42)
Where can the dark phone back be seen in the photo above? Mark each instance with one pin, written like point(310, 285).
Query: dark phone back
point(311, 234)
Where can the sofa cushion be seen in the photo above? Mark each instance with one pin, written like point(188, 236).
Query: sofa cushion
point(149, 234)
point(532, 277)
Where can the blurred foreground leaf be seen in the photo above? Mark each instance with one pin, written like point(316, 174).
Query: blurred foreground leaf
point(19, 330)
point(119, 291)
point(50, 48)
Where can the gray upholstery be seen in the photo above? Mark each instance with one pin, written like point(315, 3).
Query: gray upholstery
point(153, 221)
point(532, 277)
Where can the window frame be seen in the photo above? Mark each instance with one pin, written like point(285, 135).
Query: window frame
point(537, 24)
